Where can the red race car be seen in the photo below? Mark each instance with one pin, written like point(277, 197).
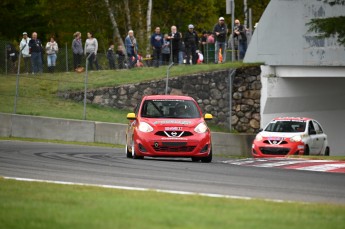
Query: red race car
point(168, 126)
point(285, 136)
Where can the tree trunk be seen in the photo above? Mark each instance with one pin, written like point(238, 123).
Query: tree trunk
point(128, 15)
point(113, 22)
point(148, 31)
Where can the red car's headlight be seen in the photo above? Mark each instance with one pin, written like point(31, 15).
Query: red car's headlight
point(296, 138)
point(258, 137)
point(145, 127)
point(201, 128)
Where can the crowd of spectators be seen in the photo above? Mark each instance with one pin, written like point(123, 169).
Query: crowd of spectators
point(173, 47)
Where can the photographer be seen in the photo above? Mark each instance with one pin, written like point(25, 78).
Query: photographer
point(220, 30)
point(240, 34)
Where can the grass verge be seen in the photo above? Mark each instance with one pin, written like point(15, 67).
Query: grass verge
point(41, 205)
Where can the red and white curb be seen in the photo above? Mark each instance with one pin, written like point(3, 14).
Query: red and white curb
point(331, 166)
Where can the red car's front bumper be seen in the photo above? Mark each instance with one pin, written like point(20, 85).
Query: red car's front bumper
point(264, 149)
point(155, 144)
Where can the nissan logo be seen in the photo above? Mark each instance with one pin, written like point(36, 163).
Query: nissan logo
point(174, 134)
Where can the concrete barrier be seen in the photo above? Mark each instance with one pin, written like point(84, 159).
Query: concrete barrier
point(89, 131)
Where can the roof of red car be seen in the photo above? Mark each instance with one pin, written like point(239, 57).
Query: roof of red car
point(152, 97)
point(293, 118)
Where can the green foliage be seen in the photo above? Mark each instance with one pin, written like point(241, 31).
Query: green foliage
point(62, 18)
point(328, 27)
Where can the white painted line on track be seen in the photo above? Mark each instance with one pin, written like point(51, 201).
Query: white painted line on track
point(147, 189)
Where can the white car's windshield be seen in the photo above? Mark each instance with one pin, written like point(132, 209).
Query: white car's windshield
point(286, 126)
point(169, 109)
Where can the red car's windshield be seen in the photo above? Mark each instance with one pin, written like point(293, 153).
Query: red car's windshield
point(286, 126)
point(169, 109)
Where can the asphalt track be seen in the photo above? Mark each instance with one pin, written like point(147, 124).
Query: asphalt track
point(109, 166)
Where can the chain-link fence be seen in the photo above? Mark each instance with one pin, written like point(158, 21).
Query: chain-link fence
point(9, 59)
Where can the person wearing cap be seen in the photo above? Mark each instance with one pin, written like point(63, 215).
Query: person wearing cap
point(24, 48)
point(220, 30)
point(191, 41)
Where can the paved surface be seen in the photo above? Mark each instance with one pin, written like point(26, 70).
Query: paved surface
point(330, 166)
point(106, 166)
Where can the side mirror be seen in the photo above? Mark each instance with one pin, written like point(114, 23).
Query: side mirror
point(312, 132)
point(260, 130)
point(208, 117)
point(131, 116)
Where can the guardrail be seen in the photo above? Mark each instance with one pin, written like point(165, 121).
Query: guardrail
point(25, 126)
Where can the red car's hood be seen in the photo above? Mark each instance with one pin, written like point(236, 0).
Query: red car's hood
point(172, 122)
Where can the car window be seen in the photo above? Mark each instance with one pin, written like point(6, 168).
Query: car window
point(311, 127)
point(318, 128)
point(286, 126)
point(169, 109)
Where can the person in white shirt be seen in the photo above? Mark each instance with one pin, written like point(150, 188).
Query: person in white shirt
point(91, 47)
point(51, 50)
point(24, 48)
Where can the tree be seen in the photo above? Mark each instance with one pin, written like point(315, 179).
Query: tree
point(332, 26)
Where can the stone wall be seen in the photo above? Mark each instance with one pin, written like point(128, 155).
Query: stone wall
point(210, 90)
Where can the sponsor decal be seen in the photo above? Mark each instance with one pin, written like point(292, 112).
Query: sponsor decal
point(181, 122)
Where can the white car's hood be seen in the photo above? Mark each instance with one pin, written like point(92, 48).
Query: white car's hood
point(278, 134)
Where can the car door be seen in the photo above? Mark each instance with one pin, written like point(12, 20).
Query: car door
point(313, 138)
point(320, 137)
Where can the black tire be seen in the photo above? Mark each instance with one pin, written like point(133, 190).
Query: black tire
point(306, 150)
point(128, 153)
point(327, 151)
point(207, 159)
point(134, 155)
point(195, 159)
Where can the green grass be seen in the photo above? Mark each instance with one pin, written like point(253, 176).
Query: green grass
point(39, 95)
point(41, 205)
point(339, 158)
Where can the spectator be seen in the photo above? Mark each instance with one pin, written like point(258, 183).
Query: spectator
point(132, 48)
point(191, 41)
point(77, 47)
point(120, 54)
point(166, 49)
point(36, 49)
point(203, 41)
point(210, 38)
point(91, 47)
point(220, 30)
point(240, 33)
point(24, 48)
point(111, 57)
point(51, 50)
point(175, 39)
point(12, 57)
point(157, 43)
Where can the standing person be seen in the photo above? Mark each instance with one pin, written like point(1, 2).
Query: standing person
point(175, 41)
point(157, 43)
point(91, 47)
point(220, 30)
point(77, 47)
point(191, 41)
point(240, 34)
point(51, 50)
point(166, 49)
point(120, 54)
point(24, 48)
point(36, 49)
point(132, 48)
point(111, 57)
point(11, 57)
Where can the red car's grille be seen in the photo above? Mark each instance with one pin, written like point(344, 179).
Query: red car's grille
point(174, 133)
point(277, 142)
point(173, 147)
point(274, 151)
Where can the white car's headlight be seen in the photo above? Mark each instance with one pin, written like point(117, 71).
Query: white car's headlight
point(145, 127)
point(201, 128)
point(296, 138)
point(258, 137)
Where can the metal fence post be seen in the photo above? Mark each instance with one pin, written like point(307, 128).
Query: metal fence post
point(167, 80)
point(17, 83)
point(231, 76)
point(66, 57)
point(85, 84)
